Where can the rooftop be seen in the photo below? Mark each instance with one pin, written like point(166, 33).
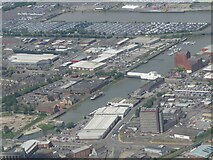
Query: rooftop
point(144, 40)
point(186, 131)
point(87, 64)
point(111, 110)
point(80, 149)
point(101, 122)
point(31, 58)
point(208, 68)
point(103, 57)
point(203, 151)
point(91, 134)
point(28, 145)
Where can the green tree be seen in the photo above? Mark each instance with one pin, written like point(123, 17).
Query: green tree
point(46, 127)
point(50, 98)
point(6, 129)
point(25, 110)
point(70, 125)
point(159, 94)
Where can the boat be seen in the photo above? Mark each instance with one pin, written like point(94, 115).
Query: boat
point(96, 96)
point(189, 43)
point(146, 76)
point(146, 61)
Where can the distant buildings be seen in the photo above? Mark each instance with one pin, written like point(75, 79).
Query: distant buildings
point(190, 64)
point(87, 65)
point(209, 70)
point(98, 127)
point(49, 107)
point(33, 59)
point(131, 102)
point(156, 150)
point(111, 110)
point(203, 151)
point(145, 40)
point(185, 133)
point(82, 152)
point(31, 146)
point(78, 58)
point(151, 120)
point(87, 86)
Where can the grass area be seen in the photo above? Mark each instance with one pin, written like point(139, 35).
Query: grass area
point(46, 127)
point(13, 134)
point(204, 136)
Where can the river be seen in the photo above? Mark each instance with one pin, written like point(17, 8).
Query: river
point(201, 16)
point(162, 64)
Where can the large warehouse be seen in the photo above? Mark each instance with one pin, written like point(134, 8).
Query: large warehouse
point(104, 57)
point(111, 110)
point(98, 127)
point(131, 102)
point(87, 65)
point(33, 59)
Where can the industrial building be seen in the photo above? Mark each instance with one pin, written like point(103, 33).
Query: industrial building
point(30, 146)
point(98, 127)
point(33, 59)
point(122, 41)
point(145, 40)
point(104, 57)
point(79, 58)
point(82, 152)
point(87, 86)
point(113, 51)
point(95, 50)
point(156, 150)
point(88, 42)
point(111, 110)
point(186, 133)
point(87, 65)
point(203, 151)
point(123, 102)
point(208, 76)
point(209, 68)
point(190, 64)
point(151, 120)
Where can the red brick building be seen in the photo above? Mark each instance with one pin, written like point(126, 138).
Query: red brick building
point(190, 64)
point(82, 152)
point(49, 107)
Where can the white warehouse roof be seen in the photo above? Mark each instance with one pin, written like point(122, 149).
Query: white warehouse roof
point(111, 110)
point(91, 134)
point(87, 65)
point(31, 58)
point(101, 122)
point(208, 68)
point(28, 146)
point(104, 57)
